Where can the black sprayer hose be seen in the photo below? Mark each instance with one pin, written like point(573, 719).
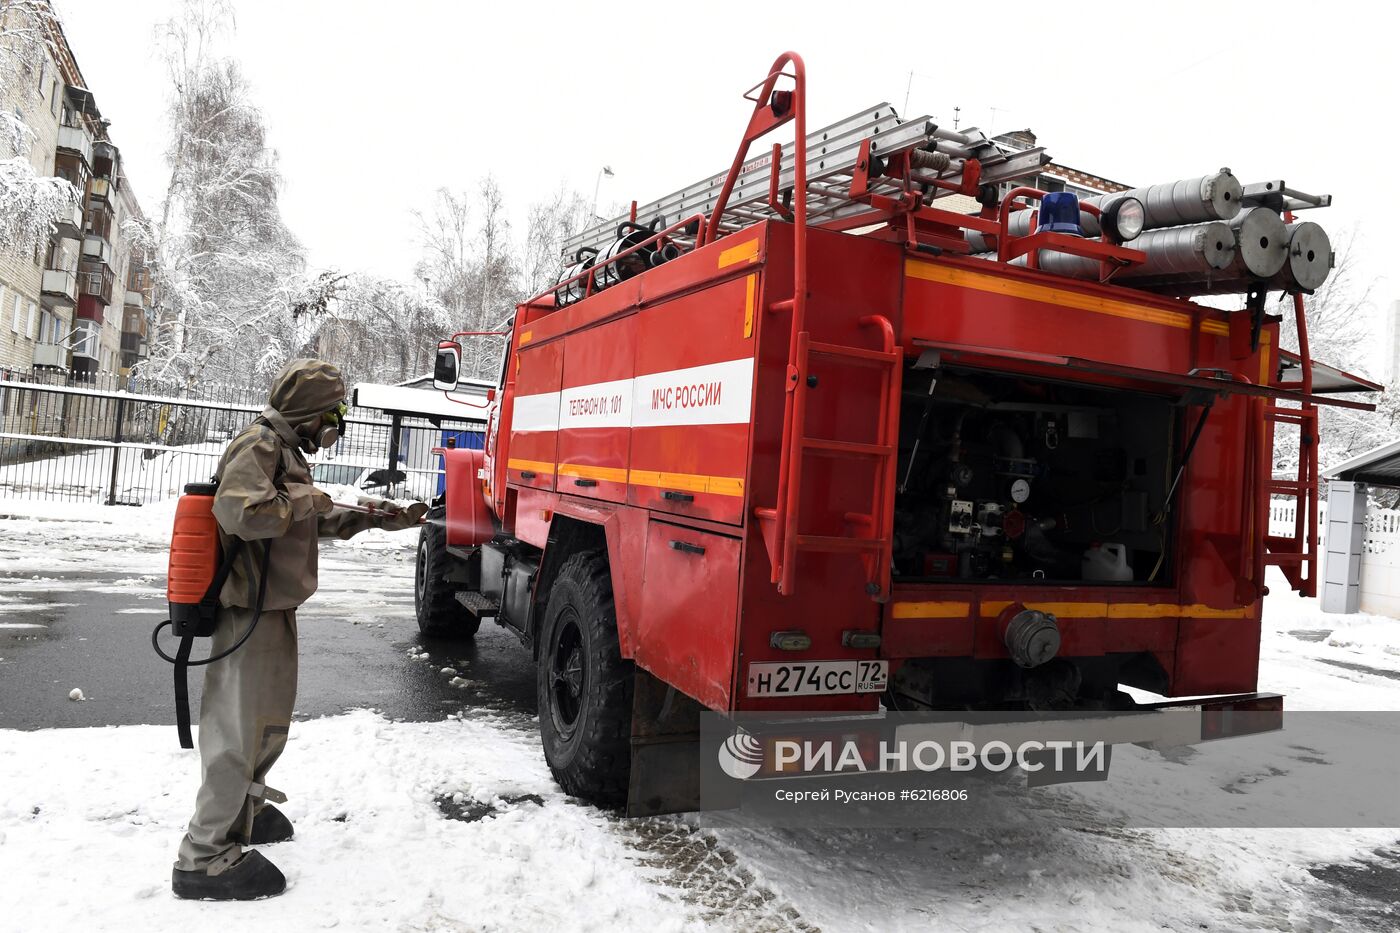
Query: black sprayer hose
point(257, 614)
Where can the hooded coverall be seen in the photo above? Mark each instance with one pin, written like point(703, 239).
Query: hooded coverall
point(265, 496)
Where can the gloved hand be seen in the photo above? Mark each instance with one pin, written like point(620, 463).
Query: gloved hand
point(394, 518)
point(405, 518)
point(308, 500)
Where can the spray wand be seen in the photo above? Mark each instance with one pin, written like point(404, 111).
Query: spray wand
point(371, 510)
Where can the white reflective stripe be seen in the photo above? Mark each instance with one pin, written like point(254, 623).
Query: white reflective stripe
point(716, 393)
point(536, 413)
point(600, 405)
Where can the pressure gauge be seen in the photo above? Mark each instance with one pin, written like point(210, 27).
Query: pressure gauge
point(1020, 491)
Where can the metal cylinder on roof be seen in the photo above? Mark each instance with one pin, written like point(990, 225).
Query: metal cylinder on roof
point(1189, 201)
point(1261, 242)
point(1309, 256)
point(1307, 265)
point(1198, 251)
point(1172, 204)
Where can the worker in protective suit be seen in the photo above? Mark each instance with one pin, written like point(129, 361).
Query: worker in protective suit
point(265, 497)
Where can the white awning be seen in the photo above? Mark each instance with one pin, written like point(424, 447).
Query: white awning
point(468, 403)
point(1379, 466)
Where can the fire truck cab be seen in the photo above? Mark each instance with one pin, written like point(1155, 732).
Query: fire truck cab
point(797, 438)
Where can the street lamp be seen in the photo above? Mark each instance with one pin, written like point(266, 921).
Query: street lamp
point(605, 170)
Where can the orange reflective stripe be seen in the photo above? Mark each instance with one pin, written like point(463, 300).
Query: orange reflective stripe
point(582, 471)
point(537, 466)
point(993, 608)
point(689, 482)
point(1014, 288)
point(744, 252)
point(933, 610)
point(750, 284)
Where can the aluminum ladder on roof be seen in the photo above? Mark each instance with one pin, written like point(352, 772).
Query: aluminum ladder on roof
point(833, 154)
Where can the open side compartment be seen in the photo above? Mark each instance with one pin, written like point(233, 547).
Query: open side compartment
point(1021, 479)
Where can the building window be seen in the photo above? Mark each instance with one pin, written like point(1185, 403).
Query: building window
point(53, 98)
point(15, 319)
point(32, 329)
point(86, 337)
point(43, 73)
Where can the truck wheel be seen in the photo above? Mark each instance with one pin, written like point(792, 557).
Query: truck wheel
point(434, 597)
point(585, 686)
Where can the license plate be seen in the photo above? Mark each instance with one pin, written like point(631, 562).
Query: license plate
point(814, 678)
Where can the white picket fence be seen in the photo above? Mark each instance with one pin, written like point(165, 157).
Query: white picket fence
point(1380, 560)
point(1382, 525)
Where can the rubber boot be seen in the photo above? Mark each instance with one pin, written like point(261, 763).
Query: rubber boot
point(270, 826)
point(250, 878)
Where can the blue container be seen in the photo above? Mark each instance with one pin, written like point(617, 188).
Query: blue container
point(476, 440)
point(1059, 213)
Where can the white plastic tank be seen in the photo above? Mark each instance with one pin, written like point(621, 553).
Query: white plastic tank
point(1107, 561)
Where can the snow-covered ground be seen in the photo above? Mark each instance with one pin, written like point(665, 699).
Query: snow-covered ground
point(456, 825)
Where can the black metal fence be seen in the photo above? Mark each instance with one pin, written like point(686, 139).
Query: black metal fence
point(204, 391)
point(76, 443)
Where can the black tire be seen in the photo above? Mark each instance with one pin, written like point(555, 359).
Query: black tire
point(584, 685)
point(434, 596)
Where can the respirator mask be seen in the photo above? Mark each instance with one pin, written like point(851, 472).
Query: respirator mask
point(332, 428)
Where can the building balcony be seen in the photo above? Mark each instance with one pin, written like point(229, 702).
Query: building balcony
point(135, 299)
point(59, 289)
point(106, 161)
point(87, 340)
point(76, 139)
point(131, 343)
point(70, 224)
point(90, 309)
point(53, 355)
point(95, 281)
point(134, 322)
point(101, 189)
point(96, 246)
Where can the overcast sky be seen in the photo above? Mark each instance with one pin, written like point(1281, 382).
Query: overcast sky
point(373, 106)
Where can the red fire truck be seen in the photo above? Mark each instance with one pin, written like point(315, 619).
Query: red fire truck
point(803, 437)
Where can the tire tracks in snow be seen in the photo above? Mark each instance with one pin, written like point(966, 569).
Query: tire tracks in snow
point(711, 878)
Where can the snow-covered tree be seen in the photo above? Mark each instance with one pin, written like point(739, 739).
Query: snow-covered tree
point(1340, 334)
point(381, 330)
point(30, 203)
point(471, 268)
point(548, 224)
point(478, 272)
point(232, 277)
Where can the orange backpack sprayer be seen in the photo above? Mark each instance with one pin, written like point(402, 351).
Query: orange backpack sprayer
point(194, 561)
point(198, 569)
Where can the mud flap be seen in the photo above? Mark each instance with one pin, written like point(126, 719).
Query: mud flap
point(665, 776)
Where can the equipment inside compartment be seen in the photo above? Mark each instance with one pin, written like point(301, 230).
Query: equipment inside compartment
point(1023, 480)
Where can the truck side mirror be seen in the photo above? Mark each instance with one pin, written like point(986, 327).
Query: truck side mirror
point(449, 361)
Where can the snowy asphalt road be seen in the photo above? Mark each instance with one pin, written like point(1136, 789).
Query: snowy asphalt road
point(438, 814)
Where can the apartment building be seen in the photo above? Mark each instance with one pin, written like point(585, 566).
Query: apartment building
point(80, 305)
